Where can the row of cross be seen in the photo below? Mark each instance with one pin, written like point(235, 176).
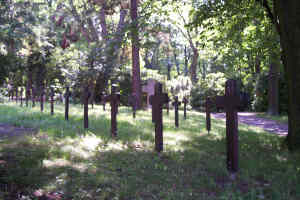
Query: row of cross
point(230, 101)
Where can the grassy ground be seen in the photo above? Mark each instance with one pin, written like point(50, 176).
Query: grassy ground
point(279, 118)
point(64, 158)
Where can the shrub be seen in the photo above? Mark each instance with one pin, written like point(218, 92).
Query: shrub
point(213, 85)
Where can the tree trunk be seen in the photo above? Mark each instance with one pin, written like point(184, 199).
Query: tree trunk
point(273, 98)
point(136, 79)
point(289, 25)
point(176, 63)
point(193, 66)
point(185, 62)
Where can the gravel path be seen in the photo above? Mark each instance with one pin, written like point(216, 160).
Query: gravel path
point(252, 120)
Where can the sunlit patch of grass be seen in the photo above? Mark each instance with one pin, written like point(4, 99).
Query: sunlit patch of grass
point(89, 164)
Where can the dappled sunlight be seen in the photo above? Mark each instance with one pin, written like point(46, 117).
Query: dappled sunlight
point(60, 162)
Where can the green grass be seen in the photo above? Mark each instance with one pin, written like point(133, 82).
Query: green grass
point(89, 164)
point(279, 118)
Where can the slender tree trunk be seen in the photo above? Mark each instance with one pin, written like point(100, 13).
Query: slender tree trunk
point(193, 67)
point(273, 98)
point(136, 79)
point(185, 62)
point(177, 64)
point(289, 25)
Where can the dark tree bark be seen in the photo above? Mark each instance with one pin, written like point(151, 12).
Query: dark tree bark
point(288, 16)
point(136, 79)
point(186, 60)
point(273, 98)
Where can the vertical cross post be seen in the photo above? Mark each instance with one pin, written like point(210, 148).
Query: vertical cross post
point(52, 101)
point(114, 100)
point(86, 97)
point(21, 97)
point(67, 103)
point(176, 104)
point(185, 102)
point(157, 100)
point(42, 99)
point(33, 97)
point(17, 94)
point(230, 102)
point(207, 110)
point(27, 94)
point(133, 103)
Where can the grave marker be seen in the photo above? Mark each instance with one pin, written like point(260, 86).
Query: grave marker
point(185, 102)
point(33, 97)
point(52, 101)
point(157, 100)
point(21, 97)
point(86, 97)
point(207, 110)
point(67, 94)
point(27, 94)
point(149, 89)
point(176, 104)
point(16, 94)
point(114, 100)
point(42, 99)
point(230, 102)
point(132, 101)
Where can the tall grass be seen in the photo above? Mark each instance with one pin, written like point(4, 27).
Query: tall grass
point(88, 164)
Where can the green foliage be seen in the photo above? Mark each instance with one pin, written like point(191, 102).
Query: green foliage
point(180, 86)
point(213, 85)
point(260, 101)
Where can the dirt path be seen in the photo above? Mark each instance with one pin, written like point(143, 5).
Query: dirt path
point(252, 120)
point(12, 131)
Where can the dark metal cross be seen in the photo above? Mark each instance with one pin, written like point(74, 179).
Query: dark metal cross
point(22, 90)
point(67, 94)
point(42, 99)
point(33, 96)
point(230, 102)
point(157, 101)
point(185, 102)
point(114, 100)
point(207, 110)
point(27, 93)
point(52, 101)
point(16, 94)
point(132, 101)
point(176, 104)
point(87, 95)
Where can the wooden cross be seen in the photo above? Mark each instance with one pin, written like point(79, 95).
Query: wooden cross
point(207, 110)
point(132, 99)
point(157, 100)
point(67, 94)
point(149, 89)
point(114, 100)
point(52, 101)
point(86, 97)
point(42, 99)
point(230, 102)
point(21, 96)
point(16, 94)
point(176, 104)
point(33, 96)
point(185, 102)
point(27, 93)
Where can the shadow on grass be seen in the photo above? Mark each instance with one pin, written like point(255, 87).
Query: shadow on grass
point(116, 169)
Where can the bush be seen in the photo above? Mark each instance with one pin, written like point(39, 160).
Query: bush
point(260, 101)
point(212, 86)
